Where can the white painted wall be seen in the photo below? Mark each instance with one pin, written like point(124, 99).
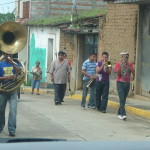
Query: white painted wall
point(42, 36)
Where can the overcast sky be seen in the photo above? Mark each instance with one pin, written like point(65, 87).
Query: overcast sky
point(7, 6)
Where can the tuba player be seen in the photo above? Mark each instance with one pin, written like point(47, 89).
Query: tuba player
point(7, 72)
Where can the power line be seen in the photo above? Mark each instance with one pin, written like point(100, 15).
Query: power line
point(8, 3)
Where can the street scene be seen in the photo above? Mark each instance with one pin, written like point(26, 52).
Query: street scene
point(38, 117)
point(75, 70)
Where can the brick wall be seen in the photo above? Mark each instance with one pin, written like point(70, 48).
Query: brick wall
point(69, 41)
point(44, 8)
point(118, 31)
point(118, 34)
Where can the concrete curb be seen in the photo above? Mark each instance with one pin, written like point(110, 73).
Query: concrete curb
point(132, 110)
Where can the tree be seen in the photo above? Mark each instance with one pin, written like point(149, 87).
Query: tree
point(7, 17)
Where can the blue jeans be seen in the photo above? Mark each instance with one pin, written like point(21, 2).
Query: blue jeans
point(123, 90)
point(12, 99)
point(102, 91)
point(60, 90)
point(35, 84)
point(92, 100)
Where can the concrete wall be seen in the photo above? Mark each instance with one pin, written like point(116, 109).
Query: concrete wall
point(40, 8)
point(44, 43)
point(118, 34)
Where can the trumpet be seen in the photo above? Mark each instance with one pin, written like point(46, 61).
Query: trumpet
point(108, 64)
point(90, 82)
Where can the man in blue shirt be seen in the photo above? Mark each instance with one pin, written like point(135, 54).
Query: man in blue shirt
point(7, 73)
point(89, 70)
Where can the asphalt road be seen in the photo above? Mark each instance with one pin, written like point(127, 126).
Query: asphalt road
point(38, 117)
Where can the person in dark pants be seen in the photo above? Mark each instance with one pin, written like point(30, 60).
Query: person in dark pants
point(103, 70)
point(123, 70)
point(7, 73)
point(89, 70)
point(60, 71)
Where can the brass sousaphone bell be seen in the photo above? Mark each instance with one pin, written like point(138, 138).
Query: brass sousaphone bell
point(13, 39)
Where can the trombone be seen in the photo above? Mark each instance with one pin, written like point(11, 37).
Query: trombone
point(91, 81)
point(107, 64)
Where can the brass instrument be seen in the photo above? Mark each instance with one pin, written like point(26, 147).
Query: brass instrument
point(12, 40)
point(107, 64)
point(123, 64)
point(91, 81)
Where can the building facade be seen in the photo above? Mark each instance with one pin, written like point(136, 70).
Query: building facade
point(133, 36)
point(34, 9)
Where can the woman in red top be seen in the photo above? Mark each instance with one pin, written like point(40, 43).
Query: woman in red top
point(123, 70)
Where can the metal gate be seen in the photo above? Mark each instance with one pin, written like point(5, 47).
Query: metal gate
point(145, 52)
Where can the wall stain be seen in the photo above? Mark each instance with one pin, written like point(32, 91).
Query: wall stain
point(37, 54)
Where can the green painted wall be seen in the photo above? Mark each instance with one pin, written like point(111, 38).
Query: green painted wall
point(37, 54)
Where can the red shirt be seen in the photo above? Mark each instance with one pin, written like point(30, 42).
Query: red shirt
point(127, 72)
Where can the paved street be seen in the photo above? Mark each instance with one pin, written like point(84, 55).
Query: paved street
point(39, 117)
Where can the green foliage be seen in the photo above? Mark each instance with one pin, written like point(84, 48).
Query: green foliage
point(27, 83)
point(67, 18)
point(72, 93)
point(7, 17)
point(92, 13)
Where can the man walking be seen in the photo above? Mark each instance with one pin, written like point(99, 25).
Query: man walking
point(7, 73)
point(89, 70)
point(103, 70)
point(60, 71)
point(123, 70)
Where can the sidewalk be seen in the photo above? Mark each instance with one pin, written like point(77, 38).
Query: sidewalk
point(139, 106)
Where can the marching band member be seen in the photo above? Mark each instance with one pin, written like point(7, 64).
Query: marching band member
point(123, 69)
point(103, 70)
point(89, 70)
point(7, 73)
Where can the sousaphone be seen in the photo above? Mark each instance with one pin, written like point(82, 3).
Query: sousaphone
point(13, 39)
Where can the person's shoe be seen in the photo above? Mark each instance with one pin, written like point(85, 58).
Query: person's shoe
point(83, 107)
point(37, 94)
point(103, 111)
point(12, 133)
point(89, 106)
point(62, 101)
point(120, 117)
point(93, 107)
point(31, 93)
point(59, 103)
point(56, 103)
point(124, 117)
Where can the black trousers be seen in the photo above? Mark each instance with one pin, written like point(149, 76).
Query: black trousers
point(60, 90)
point(102, 91)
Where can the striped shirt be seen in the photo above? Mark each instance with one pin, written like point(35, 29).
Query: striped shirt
point(89, 67)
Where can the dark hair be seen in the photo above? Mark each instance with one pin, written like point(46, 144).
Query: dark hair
point(105, 53)
point(60, 53)
point(92, 54)
point(37, 62)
